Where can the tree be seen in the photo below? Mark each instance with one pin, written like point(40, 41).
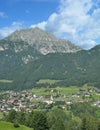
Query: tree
point(58, 125)
point(40, 121)
point(16, 125)
point(89, 123)
point(57, 119)
point(12, 116)
point(22, 117)
point(29, 119)
point(84, 124)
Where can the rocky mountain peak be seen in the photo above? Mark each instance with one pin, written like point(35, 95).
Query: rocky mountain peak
point(31, 35)
point(43, 41)
point(27, 45)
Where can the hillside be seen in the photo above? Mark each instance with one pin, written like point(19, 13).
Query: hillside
point(71, 69)
point(9, 126)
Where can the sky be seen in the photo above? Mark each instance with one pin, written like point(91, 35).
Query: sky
point(75, 20)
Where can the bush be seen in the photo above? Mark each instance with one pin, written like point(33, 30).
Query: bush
point(16, 125)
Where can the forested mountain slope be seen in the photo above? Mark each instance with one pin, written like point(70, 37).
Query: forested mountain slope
point(71, 69)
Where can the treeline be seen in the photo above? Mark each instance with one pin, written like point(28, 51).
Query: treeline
point(80, 117)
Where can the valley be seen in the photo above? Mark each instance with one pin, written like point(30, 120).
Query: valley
point(47, 98)
point(49, 64)
point(48, 83)
point(26, 109)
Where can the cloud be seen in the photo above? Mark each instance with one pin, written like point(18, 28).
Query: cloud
point(2, 15)
point(77, 21)
point(4, 32)
point(40, 25)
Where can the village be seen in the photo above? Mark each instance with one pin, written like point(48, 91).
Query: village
point(30, 100)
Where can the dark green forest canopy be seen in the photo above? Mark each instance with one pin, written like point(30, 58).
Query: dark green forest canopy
point(78, 68)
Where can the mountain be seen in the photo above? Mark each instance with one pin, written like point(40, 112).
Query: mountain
point(27, 45)
point(28, 55)
point(42, 41)
point(78, 68)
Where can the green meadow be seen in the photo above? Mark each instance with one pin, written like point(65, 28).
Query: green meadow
point(1, 115)
point(9, 126)
point(5, 81)
point(61, 90)
point(49, 81)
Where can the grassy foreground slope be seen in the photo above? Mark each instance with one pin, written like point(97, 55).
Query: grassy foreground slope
point(9, 126)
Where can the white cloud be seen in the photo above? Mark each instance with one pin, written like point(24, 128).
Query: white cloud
point(4, 32)
point(40, 25)
point(88, 43)
point(77, 21)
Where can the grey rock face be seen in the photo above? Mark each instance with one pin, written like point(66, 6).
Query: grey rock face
point(42, 41)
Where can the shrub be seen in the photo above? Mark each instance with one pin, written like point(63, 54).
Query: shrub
point(16, 125)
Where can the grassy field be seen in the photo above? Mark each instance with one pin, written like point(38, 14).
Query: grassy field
point(1, 115)
point(5, 81)
point(41, 91)
point(9, 126)
point(49, 81)
point(96, 96)
point(62, 90)
point(68, 90)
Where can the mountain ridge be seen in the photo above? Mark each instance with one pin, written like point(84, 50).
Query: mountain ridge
point(27, 45)
point(24, 63)
point(71, 69)
point(43, 41)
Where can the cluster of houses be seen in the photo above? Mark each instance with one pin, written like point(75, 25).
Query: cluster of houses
point(28, 100)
